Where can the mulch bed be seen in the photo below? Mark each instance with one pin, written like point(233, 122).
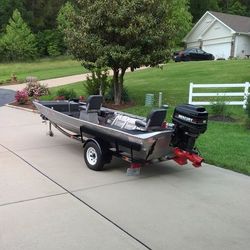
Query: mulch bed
point(221, 118)
point(119, 107)
point(30, 105)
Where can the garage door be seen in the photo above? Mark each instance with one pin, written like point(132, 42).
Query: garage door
point(221, 50)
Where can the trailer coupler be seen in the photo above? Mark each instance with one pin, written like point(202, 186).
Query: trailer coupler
point(182, 156)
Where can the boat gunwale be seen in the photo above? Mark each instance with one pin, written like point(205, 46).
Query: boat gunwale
point(137, 136)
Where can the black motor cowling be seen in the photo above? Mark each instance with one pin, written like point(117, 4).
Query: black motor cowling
point(190, 121)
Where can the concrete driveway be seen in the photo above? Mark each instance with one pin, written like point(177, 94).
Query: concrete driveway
point(49, 199)
point(6, 96)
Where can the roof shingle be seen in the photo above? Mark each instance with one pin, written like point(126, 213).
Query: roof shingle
point(239, 24)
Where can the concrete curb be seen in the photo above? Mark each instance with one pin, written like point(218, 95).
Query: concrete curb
point(24, 109)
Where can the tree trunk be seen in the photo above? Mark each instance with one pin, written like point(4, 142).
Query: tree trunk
point(118, 84)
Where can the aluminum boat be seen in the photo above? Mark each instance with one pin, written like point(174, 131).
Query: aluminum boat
point(106, 132)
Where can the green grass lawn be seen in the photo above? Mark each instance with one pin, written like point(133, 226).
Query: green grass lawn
point(224, 144)
point(173, 80)
point(42, 69)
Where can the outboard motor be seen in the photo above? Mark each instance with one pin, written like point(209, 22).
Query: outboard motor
point(190, 121)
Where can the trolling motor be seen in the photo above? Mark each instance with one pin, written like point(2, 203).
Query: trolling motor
point(190, 121)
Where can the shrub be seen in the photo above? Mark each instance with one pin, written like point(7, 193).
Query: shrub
point(247, 122)
point(110, 95)
point(219, 108)
point(36, 89)
point(98, 82)
point(91, 87)
point(66, 94)
point(22, 96)
point(248, 106)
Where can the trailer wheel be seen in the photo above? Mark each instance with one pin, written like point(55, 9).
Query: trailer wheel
point(94, 156)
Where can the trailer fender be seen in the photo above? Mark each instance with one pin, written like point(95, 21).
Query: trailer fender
point(93, 140)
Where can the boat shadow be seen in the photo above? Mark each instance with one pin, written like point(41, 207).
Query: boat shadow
point(147, 170)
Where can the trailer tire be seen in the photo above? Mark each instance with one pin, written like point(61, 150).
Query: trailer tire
point(94, 156)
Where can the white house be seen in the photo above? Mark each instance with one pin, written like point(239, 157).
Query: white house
point(223, 35)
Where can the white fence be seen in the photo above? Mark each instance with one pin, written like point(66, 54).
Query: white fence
point(245, 87)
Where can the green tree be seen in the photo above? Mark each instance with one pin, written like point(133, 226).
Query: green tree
point(181, 20)
point(18, 42)
point(41, 14)
point(247, 4)
point(64, 22)
point(123, 34)
point(237, 8)
point(199, 7)
point(6, 9)
point(50, 43)
point(64, 17)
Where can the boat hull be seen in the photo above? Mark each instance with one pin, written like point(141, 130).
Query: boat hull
point(146, 146)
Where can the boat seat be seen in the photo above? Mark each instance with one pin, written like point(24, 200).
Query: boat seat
point(104, 116)
point(89, 112)
point(153, 122)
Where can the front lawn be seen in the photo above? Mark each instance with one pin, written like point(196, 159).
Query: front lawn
point(226, 145)
point(42, 69)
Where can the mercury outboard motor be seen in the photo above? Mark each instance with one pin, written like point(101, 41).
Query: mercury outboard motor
point(190, 121)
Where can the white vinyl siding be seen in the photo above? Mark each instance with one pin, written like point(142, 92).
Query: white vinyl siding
point(196, 33)
point(216, 31)
point(242, 46)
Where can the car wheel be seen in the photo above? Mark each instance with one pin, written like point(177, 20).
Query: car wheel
point(177, 59)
